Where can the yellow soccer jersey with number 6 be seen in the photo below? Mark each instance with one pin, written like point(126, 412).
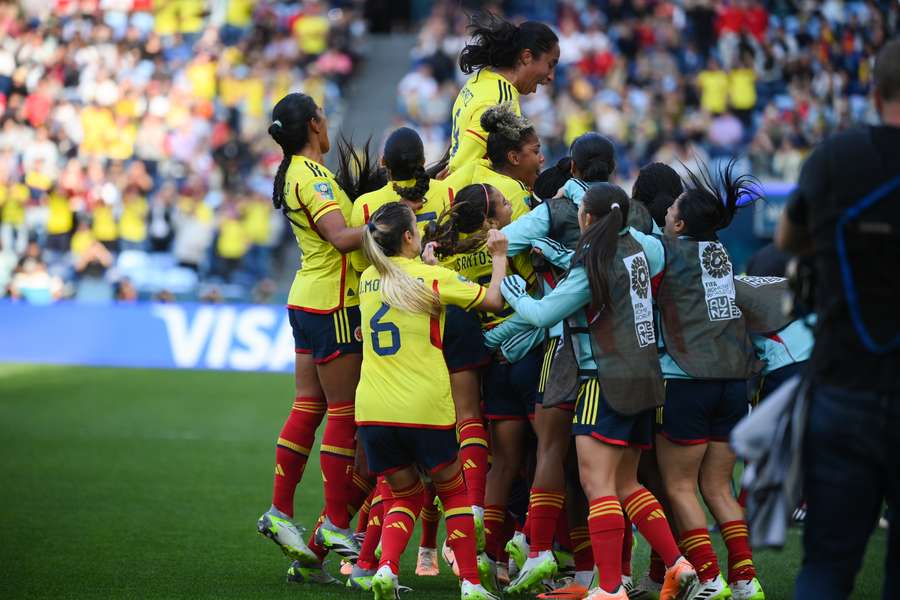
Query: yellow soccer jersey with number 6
point(468, 139)
point(324, 282)
point(404, 379)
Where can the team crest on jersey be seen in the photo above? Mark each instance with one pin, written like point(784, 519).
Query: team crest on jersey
point(640, 277)
point(467, 95)
point(357, 334)
point(323, 188)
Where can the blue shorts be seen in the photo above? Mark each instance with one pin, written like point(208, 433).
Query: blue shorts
point(464, 348)
point(509, 389)
point(698, 411)
point(326, 336)
point(595, 417)
point(773, 380)
point(390, 448)
point(549, 353)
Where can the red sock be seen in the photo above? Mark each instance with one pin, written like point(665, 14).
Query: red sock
point(699, 550)
point(563, 537)
point(320, 551)
point(399, 522)
point(460, 525)
point(362, 517)
point(526, 526)
point(657, 571)
point(606, 526)
point(292, 449)
point(509, 528)
point(627, 545)
point(647, 514)
point(336, 457)
point(494, 519)
point(740, 556)
point(367, 558)
point(473, 454)
point(362, 489)
point(581, 548)
point(430, 518)
point(544, 509)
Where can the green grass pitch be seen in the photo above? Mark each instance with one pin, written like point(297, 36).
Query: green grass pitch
point(147, 484)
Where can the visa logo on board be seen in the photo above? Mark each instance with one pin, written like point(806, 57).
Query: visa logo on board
point(256, 338)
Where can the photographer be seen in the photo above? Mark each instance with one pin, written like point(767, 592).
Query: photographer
point(845, 217)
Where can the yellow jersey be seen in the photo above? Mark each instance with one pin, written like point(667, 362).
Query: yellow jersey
point(324, 282)
point(437, 198)
point(468, 140)
point(133, 222)
point(105, 227)
point(404, 379)
point(233, 241)
point(477, 266)
point(12, 203)
point(518, 195)
point(60, 219)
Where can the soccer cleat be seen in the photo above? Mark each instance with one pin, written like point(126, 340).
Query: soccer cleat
point(487, 572)
point(747, 589)
point(427, 563)
point(680, 581)
point(360, 579)
point(449, 558)
point(565, 589)
point(478, 517)
point(385, 585)
point(599, 593)
point(475, 591)
point(517, 548)
point(533, 572)
point(646, 589)
point(627, 583)
point(281, 530)
point(300, 573)
point(713, 589)
point(565, 561)
point(512, 568)
point(340, 541)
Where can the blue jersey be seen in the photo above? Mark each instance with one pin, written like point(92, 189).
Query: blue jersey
point(791, 345)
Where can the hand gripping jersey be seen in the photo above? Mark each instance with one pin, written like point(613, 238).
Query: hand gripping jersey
point(404, 379)
point(468, 140)
point(703, 329)
point(324, 282)
point(437, 198)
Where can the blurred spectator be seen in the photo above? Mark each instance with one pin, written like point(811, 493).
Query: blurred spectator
point(112, 112)
point(34, 283)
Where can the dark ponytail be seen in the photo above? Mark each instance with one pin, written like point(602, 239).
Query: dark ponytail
point(358, 173)
point(609, 205)
point(709, 203)
point(472, 206)
point(498, 43)
point(594, 157)
point(404, 157)
point(656, 187)
point(552, 178)
point(290, 130)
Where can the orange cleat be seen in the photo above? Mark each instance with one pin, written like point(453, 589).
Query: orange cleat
point(570, 591)
point(680, 582)
point(427, 563)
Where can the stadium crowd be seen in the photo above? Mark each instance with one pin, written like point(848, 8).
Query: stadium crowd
point(677, 81)
point(133, 155)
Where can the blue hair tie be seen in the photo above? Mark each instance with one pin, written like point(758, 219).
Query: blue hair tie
point(371, 226)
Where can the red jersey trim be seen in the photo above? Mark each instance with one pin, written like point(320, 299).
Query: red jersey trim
point(476, 134)
point(328, 311)
point(478, 298)
point(327, 207)
point(435, 322)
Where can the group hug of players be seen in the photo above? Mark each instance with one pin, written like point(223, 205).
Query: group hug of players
point(549, 362)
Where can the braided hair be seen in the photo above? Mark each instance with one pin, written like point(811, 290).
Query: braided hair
point(290, 130)
point(404, 157)
point(472, 207)
point(507, 132)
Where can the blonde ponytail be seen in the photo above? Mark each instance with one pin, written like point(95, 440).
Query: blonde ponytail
point(381, 239)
